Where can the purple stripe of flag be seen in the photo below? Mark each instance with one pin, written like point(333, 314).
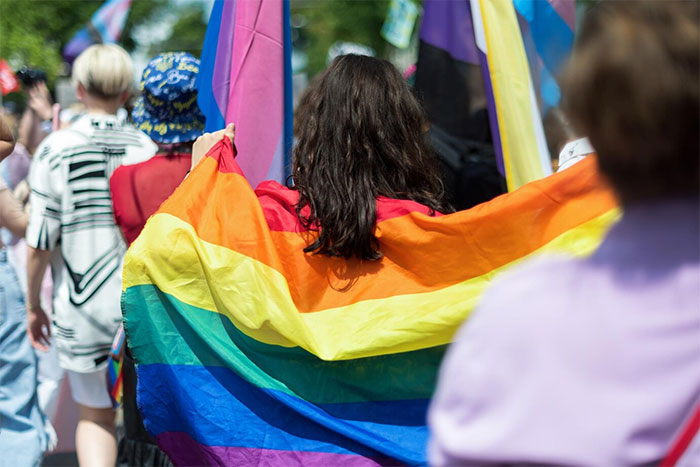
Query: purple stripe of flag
point(448, 26)
point(256, 92)
point(186, 451)
point(221, 81)
point(493, 113)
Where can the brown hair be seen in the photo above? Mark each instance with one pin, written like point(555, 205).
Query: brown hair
point(632, 87)
point(360, 135)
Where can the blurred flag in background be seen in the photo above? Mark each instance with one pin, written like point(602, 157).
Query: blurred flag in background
point(499, 56)
point(548, 35)
point(105, 27)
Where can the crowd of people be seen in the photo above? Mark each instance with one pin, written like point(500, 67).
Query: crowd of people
point(565, 361)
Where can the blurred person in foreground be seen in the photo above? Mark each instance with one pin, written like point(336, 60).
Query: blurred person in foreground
point(22, 436)
point(604, 367)
point(7, 140)
point(166, 111)
point(72, 226)
point(34, 125)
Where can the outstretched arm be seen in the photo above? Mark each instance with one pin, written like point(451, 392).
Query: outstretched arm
point(12, 217)
point(7, 141)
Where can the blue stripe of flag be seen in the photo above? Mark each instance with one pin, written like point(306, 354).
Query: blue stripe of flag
point(205, 94)
point(288, 102)
point(269, 419)
point(552, 36)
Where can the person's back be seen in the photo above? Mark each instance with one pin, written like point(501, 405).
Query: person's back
point(596, 360)
point(168, 101)
point(360, 159)
point(71, 175)
point(72, 225)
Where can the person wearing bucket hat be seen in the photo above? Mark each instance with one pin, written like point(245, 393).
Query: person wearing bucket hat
point(166, 111)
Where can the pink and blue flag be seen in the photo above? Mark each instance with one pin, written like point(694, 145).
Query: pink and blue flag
point(105, 27)
point(548, 34)
point(245, 78)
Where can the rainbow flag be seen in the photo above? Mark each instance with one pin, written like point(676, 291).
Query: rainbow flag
point(251, 352)
point(245, 78)
point(115, 375)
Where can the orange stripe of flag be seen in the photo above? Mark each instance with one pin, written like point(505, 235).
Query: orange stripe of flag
point(421, 253)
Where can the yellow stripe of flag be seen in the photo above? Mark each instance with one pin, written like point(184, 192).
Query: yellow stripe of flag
point(256, 298)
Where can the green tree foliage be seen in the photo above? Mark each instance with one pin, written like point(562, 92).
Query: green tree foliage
point(329, 21)
point(33, 32)
point(142, 12)
point(187, 34)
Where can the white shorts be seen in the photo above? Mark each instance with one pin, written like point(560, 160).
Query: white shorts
point(90, 389)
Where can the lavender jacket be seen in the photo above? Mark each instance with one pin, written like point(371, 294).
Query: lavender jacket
point(581, 361)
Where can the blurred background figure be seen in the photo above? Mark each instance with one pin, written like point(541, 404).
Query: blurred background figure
point(449, 82)
point(7, 140)
point(72, 226)
point(34, 125)
point(603, 368)
point(166, 111)
point(38, 115)
point(22, 436)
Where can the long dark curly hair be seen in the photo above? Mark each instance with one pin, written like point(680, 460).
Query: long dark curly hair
point(360, 135)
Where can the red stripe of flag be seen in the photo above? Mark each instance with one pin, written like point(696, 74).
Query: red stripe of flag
point(679, 446)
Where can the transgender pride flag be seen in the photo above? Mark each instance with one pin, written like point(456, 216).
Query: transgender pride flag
point(105, 27)
point(548, 34)
point(245, 78)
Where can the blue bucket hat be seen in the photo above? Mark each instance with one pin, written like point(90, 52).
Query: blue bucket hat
point(167, 109)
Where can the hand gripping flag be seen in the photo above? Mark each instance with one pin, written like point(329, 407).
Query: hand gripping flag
point(251, 352)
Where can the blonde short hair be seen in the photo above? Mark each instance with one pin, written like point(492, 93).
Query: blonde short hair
point(104, 70)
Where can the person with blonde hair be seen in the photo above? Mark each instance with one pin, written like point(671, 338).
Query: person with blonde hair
point(72, 227)
point(596, 361)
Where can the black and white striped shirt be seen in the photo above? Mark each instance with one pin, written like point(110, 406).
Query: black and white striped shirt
point(71, 214)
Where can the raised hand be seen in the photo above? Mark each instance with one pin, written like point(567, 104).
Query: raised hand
point(204, 143)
